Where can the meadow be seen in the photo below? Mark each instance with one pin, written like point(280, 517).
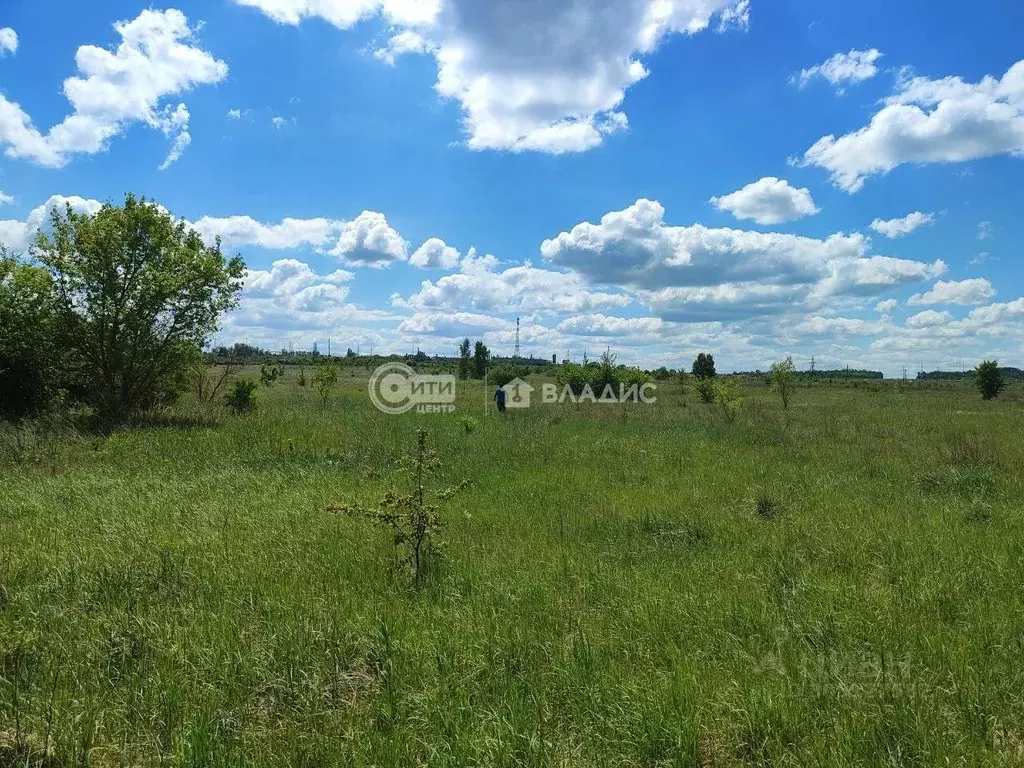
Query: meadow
point(837, 584)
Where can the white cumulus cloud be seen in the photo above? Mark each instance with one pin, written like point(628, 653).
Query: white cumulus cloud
point(18, 235)
point(369, 241)
point(479, 286)
point(291, 295)
point(893, 228)
point(697, 274)
point(530, 76)
point(365, 241)
point(156, 58)
point(853, 67)
point(435, 254)
point(8, 41)
point(929, 121)
point(768, 201)
point(927, 319)
point(977, 290)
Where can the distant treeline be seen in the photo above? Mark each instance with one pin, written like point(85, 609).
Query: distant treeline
point(1013, 374)
point(845, 373)
point(250, 355)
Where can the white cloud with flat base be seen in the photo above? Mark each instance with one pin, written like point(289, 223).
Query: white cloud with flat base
point(768, 201)
point(929, 121)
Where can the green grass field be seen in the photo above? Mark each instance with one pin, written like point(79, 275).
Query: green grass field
point(839, 585)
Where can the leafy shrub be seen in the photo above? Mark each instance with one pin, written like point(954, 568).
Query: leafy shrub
point(324, 379)
point(241, 396)
point(502, 374)
point(269, 374)
point(989, 379)
point(28, 353)
point(781, 379)
point(469, 424)
point(728, 399)
point(598, 376)
point(139, 293)
point(704, 388)
point(574, 376)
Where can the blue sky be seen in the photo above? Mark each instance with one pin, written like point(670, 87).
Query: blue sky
point(656, 177)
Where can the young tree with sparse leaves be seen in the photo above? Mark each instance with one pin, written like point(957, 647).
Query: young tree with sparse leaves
point(464, 359)
point(782, 378)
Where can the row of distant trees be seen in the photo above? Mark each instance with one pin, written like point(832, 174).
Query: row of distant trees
point(109, 310)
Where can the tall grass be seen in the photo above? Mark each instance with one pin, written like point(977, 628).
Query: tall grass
point(638, 586)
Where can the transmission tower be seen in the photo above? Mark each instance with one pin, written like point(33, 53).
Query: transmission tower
point(812, 363)
point(515, 355)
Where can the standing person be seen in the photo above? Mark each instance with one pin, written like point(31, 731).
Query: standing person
point(499, 397)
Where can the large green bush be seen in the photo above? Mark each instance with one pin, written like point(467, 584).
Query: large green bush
point(28, 342)
point(502, 374)
point(989, 379)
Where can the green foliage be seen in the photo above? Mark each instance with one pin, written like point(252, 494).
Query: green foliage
point(302, 376)
point(469, 424)
point(684, 386)
point(324, 379)
point(502, 374)
point(599, 375)
point(728, 399)
point(989, 380)
point(782, 378)
point(464, 360)
point(28, 349)
point(704, 388)
point(704, 366)
point(414, 523)
point(573, 375)
point(241, 395)
point(136, 294)
point(628, 377)
point(269, 374)
point(481, 359)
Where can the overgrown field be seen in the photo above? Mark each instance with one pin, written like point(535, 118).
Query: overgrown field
point(839, 584)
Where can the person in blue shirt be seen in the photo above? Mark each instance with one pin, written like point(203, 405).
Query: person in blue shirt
point(499, 397)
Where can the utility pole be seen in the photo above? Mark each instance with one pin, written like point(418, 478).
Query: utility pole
point(328, 346)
